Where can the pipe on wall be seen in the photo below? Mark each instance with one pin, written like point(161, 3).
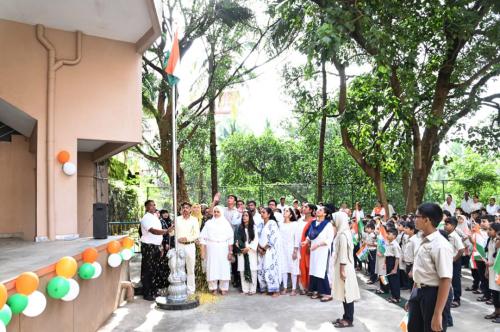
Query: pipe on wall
point(53, 65)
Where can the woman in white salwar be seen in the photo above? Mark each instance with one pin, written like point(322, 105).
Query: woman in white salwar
point(217, 240)
point(288, 263)
point(269, 260)
point(345, 284)
point(320, 238)
point(246, 242)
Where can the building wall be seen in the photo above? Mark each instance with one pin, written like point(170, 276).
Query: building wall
point(100, 99)
point(17, 189)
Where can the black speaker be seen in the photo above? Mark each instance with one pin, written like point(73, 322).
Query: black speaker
point(100, 216)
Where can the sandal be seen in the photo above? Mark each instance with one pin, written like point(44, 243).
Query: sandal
point(395, 301)
point(370, 282)
point(293, 293)
point(489, 302)
point(483, 299)
point(342, 323)
point(491, 316)
point(477, 292)
point(470, 289)
point(379, 291)
point(455, 304)
point(326, 299)
point(315, 296)
point(303, 292)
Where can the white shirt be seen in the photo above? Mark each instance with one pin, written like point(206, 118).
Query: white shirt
point(232, 215)
point(188, 228)
point(433, 261)
point(466, 205)
point(359, 215)
point(391, 210)
point(450, 208)
point(476, 206)
point(147, 222)
point(282, 207)
point(492, 209)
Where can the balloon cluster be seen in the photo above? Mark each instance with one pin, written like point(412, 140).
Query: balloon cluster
point(27, 300)
point(117, 254)
point(68, 167)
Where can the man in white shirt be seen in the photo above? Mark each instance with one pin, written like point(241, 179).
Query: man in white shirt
point(273, 206)
point(492, 207)
point(151, 238)
point(476, 204)
point(282, 204)
point(187, 232)
point(466, 204)
point(449, 205)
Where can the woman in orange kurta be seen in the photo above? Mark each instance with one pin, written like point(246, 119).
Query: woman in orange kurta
point(309, 211)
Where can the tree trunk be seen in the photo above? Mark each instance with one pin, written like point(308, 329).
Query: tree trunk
point(213, 149)
point(213, 136)
point(322, 132)
point(380, 188)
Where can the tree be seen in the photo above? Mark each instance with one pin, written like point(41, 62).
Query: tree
point(437, 57)
point(228, 64)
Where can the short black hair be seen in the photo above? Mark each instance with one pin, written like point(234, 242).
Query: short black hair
point(393, 231)
point(185, 203)
point(370, 225)
point(447, 213)
point(312, 206)
point(233, 196)
point(496, 227)
point(410, 225)
point(252, 201)
point(272, 200)
point(488, 217)
point(431, 211)
point(240, 201)
point(451, 220)
point(149, 201)
point(163, 211)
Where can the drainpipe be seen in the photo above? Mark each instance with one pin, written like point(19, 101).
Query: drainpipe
point(53, 66)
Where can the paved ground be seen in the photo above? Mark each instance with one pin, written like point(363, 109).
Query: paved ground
point(261, 313)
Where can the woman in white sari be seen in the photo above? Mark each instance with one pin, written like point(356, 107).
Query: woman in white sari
point(345, 284)
point(217, 240)
point(269, 259)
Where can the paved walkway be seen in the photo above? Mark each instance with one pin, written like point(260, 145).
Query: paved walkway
point(286, 313)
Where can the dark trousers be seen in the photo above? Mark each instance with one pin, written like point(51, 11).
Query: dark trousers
point(483, 282)
point(495, 295)
point(421, 309)
point(371, 264)
point(410, 280)
point(357, 262)
point(149, 269)
point(322, 286)
point(403, 278)
point(394, 286)
point(456, 281)
point(348, 311)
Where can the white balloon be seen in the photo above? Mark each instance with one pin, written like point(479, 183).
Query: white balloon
point(98, 270)
point(2, 327)
point(69, 168)
point(114, 260)
point(74, 290)
point(126, 254)
point(36, 304)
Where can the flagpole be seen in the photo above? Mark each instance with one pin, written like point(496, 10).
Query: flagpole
point(174, 155)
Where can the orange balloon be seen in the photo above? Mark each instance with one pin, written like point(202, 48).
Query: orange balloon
point(3, 295)
point(63, 156)
point(90, 255)
point(114, 247)
point(128, 243)
point(66, 267)
point(27, 283)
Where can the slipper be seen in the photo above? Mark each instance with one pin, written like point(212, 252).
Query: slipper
point(342, 323)
point(482, 299)
point(314, 297)
point(302, 292)
point(378, 291)
point(490, 316)
point(477, 292)
point(395, 301)
point(470, 289)
point(455, 304)
point(326, 299)
point(489, 302)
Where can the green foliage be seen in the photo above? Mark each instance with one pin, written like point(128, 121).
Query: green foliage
point(123, 203)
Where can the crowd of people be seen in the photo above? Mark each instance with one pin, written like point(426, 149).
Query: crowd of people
point(317, 249)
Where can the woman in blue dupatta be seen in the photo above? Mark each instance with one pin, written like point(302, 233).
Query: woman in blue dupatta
point(320, 238)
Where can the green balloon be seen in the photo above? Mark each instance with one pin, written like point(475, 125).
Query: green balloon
point(5, 315)
point(17, 303)
point(58, 287)
point(86, 271)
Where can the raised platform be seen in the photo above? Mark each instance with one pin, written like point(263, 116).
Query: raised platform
point(18, 256)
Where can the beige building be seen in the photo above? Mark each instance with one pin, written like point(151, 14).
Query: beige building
point(70, 79)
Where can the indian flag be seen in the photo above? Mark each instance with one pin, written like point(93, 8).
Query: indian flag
point(362, 253)
point(384, 280)
point(478, 251)
point(496, 266)
point(403, 325)
point(172, 61)
point(381, 246)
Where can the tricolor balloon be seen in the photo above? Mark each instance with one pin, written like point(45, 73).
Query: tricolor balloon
point(58, 287)
point(36, 304)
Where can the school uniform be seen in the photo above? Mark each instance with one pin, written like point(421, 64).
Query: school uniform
point(492, 275)
point(409, 254)
point(457, 245)
point(433, 261)
point(403, 275)
point(392, 255)
point(371, 242)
